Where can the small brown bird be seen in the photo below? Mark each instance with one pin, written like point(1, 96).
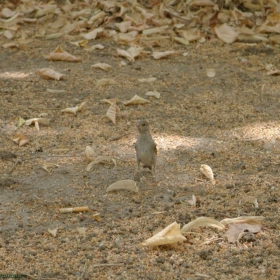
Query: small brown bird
point(146, 148)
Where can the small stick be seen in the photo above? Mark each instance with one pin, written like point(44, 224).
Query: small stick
point(74, 209)
point(107, 264)
point(117, 137)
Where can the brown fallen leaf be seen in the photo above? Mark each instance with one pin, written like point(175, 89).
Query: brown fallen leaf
point(20, 139)
point(136, 100)
point(123, 185)
point(47, 74)
point(60, 54)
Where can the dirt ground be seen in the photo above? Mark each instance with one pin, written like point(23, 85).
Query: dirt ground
point(230, 122)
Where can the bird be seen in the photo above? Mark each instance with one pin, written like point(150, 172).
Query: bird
point(146, 148)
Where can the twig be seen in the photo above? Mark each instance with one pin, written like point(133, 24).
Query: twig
point(84, 270)
point(117, 137)
point(107, 264)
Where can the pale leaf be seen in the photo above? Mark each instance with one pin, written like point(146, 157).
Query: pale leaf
point(135, 51)
point(102, 66)
point(81, 43)
point(53, 232)
point(225, 33)
point(60, 54)
point(159, 55)
point(123, 185)
point(153, 93)
point(81, 230)
point(74, 110)
point(136, 100)
point(95, 47)
point(208, 172)
point(93, 34)
point(89, 153)
point(147, 80)
point(105, 82)
point(96, 217)
point(234, 231)
point(37, 121)
point(20, 139)
point(202, 222)
point(192, 201)
point(155, 30)
point(243, 219)
point(112, 112)
point(125, 54)
point(47, 73)
point(123, 26)
point(181, 41)
point(125, 37)
point(211, 72)
point(170, 235)
point(101, 160)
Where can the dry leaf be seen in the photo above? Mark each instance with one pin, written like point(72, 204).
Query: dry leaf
point(211, 73)
point(81, 230)
point(135, 51)
point(234, 231)
point(226, 34)
point(74, 110)
point(112, 112)
point(37, 121)
point(105, 82)
point(20, 139)
point(170, 235)
point(93, 34)
point(81, 43)
point(153, 93)
point(147, 80)
point(136, 100)
point(102, 66)
point(89, 153)
point(243, 219)
point(60, 54)
point(96, 217)
point(47, 73)
point(95, 47)
point(125, 54)
point(202, 222)
point(123, 185)
point(208, 172)
point(53, 232)
point(48, 166)
point(158, 55)
point(192, 201)
point(102, 160)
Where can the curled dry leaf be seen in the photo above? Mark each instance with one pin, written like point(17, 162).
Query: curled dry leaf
point(234, 232)
point(159, 55)
point(48, 166)
point(105, 82)
point(102, 66)
point(112, 112)
point(89, 153)
point(211, 73)
point(101, 160)
point(96, 217)
point(225, 33)
point(60, 54)
point(37, 121)
point(47, 74)
point(170, 235)
point(123, 185)
point(20, 139)
point(53, 232)
point(74, 110)
point(208, 172)
point(81, 230)
point(153, 93)
point(243, 219)
point(125, 54)
point(147, 80)
point(202, 222)
point(135, 100)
